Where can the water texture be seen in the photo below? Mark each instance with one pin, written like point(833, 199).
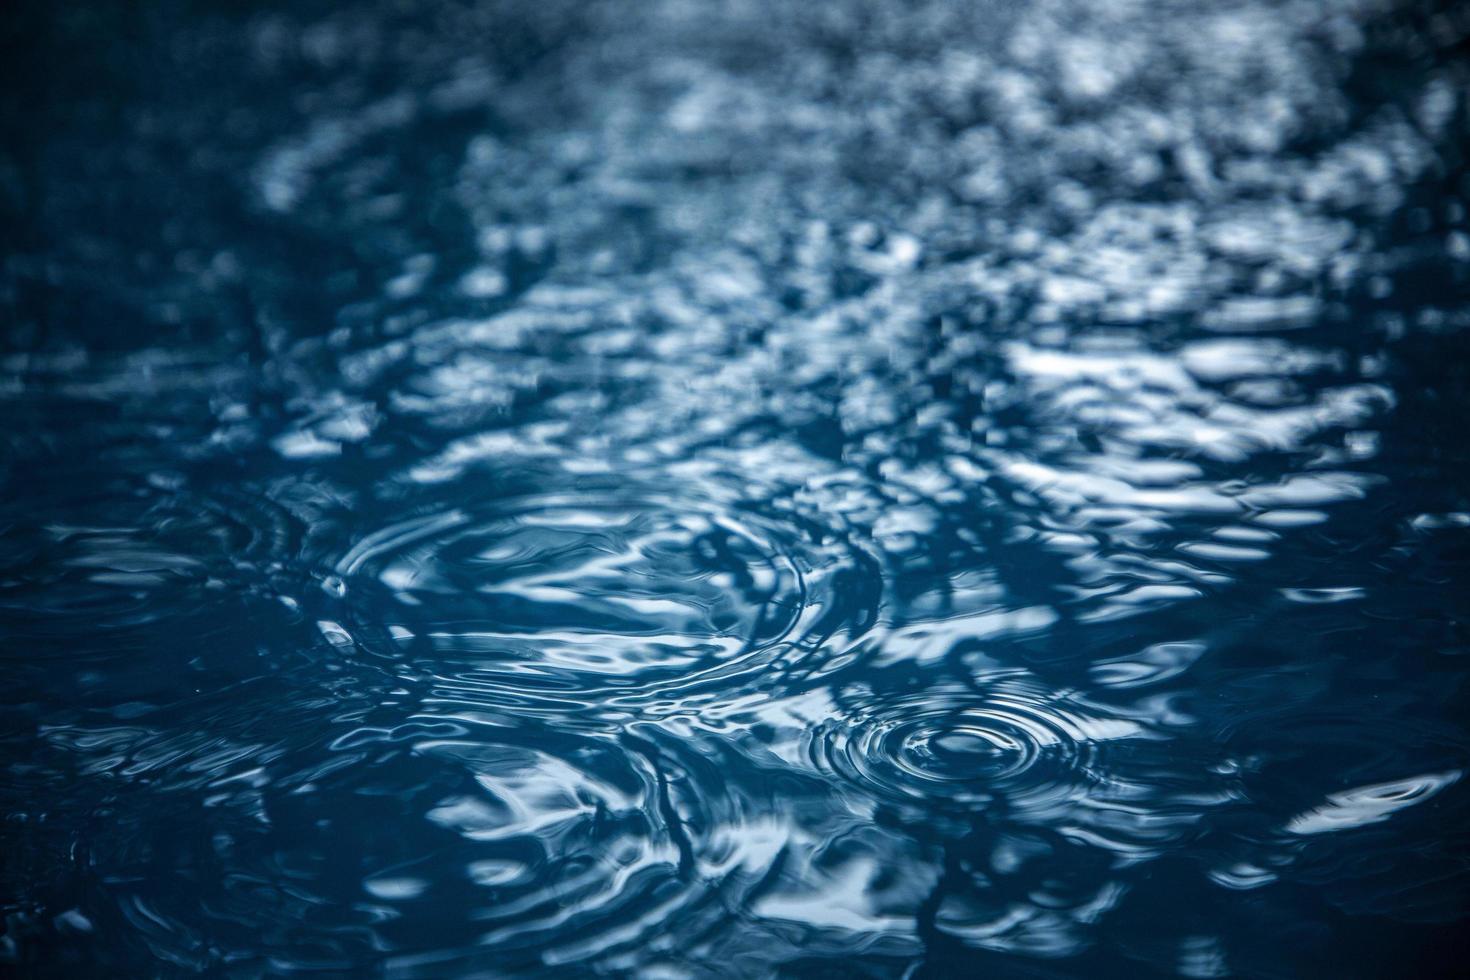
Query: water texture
point(735, 489)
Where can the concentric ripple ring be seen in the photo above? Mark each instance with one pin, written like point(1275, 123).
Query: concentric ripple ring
point(555, 597)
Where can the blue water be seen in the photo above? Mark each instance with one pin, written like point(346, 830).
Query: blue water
point(735, 489)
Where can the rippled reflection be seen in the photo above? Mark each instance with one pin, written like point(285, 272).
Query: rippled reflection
point(735, 489)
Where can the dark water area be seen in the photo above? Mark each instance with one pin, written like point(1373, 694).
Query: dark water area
point(735, 489)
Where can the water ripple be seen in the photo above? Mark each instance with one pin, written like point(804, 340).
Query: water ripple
point(1009, 743)
point(599, 605)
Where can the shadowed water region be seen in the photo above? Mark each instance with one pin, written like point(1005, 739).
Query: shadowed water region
point(735, 488)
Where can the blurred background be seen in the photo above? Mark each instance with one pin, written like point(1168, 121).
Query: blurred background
point(715, 488)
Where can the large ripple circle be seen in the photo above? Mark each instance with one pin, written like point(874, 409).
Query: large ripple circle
point(586, 600)
point(469, 849)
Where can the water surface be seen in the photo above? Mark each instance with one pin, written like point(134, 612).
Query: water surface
point(703, 489)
